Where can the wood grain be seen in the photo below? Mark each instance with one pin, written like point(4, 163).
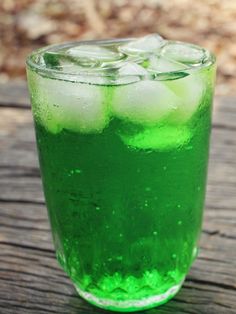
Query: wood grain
point(30, 279)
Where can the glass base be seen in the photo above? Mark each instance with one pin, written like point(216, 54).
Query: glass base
point(130, 305)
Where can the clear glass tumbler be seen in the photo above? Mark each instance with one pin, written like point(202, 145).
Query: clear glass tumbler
point(122, 130)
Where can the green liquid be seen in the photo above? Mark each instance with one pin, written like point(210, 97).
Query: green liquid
point(126, 218)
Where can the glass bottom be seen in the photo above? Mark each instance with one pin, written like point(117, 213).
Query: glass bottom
point(130, 305)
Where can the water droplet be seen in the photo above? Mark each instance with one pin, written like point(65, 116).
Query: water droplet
point(164, 168)
point(113, 212)
point(195, 253)
point(174, 256)
point(198, 188)
point(107, 227)
point(148, 189)
point(109, 259)
point(77, 171)
point(189, 147)
point(121, 235)
point(180, 222)
point(146, 204)
point(179, 206)
point(155, 232)
point(119, 258)
point(70, 173)
point(97, 208)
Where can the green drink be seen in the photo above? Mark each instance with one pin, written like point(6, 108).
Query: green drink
point(122, 130)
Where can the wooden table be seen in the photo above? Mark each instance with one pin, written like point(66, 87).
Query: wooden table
point(30, 279)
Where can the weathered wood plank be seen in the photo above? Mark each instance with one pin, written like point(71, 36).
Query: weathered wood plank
point(14, 94)
point(31, 280)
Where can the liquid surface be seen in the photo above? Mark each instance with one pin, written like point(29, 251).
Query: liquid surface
point(124, 171)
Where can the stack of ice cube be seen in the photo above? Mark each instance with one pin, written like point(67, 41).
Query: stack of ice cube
point(154, 79)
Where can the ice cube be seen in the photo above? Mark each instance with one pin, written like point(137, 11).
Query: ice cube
point(160, 138)
point(69, 105)
point(131, 68)
point(147, 44)
point(190, 91)
point(183, 52)
point(93, 53)
point(83, 107)
point(61, 62)
point(129, 72)
point(84, 72)
point(120, 63)
point(145, 102)
point(159, 64)
point(51, 59)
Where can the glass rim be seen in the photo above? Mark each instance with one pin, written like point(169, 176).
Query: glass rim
point(209, 61)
